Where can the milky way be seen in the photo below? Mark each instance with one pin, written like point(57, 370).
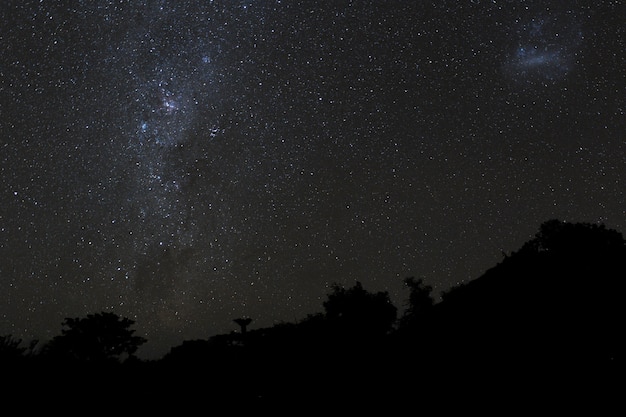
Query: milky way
point(185, 163)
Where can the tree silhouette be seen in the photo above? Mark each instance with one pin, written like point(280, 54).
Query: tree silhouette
point(10, 350)
point(243, 323)
point(101, 337)
point(420, 302)
point(573, 239)
point(357, 312)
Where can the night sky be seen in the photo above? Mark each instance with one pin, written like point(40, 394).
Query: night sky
point(185, 163)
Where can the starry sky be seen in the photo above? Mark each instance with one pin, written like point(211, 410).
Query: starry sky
point(185, 163)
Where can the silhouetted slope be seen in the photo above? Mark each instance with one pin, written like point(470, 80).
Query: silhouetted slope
point(557, 301)
point(542, 327)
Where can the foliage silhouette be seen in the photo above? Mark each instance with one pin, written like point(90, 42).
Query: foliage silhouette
point(10, 350)
point(100, 337)
point(355, 312)
point(420, 303)
point(550, 314)
point(10, 346)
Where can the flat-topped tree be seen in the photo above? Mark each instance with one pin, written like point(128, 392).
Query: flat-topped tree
point(243, 322)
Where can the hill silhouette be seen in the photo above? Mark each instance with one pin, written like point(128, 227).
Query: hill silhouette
point(557, 299)
point(542, 326)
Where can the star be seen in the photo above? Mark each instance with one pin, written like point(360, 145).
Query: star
point(157, 158)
